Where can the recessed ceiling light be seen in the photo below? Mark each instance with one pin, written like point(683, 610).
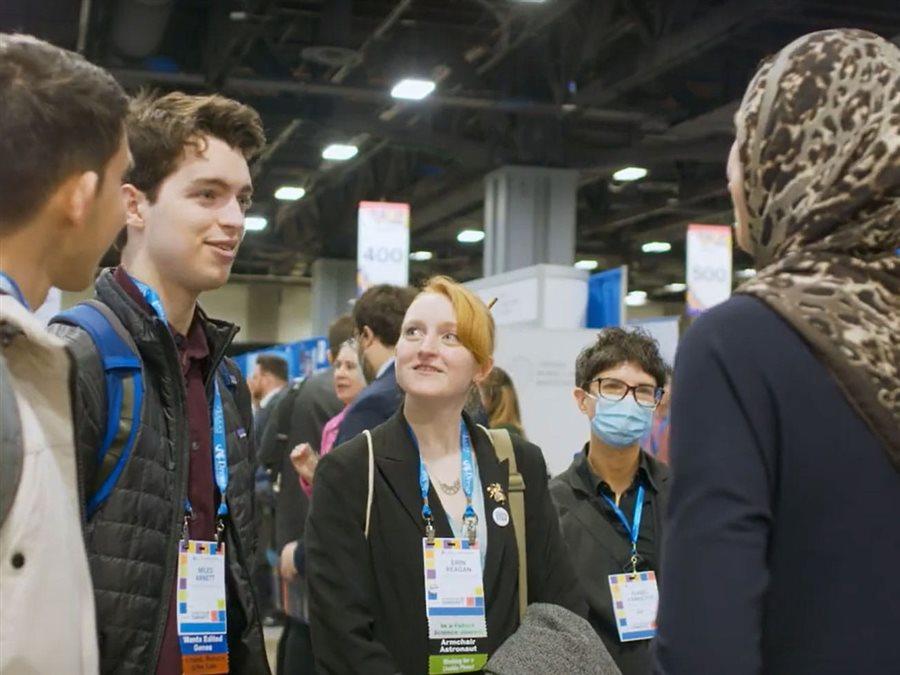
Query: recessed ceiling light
point(656, 247)
point(636, 298)
point(421, 256)
point(470, 236)
point(255, 223)
point(340, 152)
point(677, 287)
point(747, 273)
point(412, 89)
point(587, 264)
point(630, 173)
point(290, 193)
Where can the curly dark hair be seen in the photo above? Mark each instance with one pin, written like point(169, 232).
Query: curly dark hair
point(382, 309)
point(615, 346)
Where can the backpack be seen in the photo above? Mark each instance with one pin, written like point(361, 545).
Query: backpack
point(273, 449)
point(124, 385)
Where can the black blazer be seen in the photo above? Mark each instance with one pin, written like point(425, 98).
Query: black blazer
point(367, 600)
point(375, 405)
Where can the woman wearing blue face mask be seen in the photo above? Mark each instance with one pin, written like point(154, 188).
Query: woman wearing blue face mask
point(611, 500)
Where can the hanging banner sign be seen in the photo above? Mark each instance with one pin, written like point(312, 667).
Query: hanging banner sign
point(708, 266)
point(382, 250)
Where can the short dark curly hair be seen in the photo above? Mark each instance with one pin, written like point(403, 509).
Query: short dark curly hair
point(382, 309)
point(615, 346)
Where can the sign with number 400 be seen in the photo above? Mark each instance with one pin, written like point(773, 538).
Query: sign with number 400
point(382, 253)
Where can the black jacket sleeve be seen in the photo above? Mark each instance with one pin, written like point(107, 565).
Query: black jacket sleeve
point(714, 572)
point(551, 576)
point(339, 570)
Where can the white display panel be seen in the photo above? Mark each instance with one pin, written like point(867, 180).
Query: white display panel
point(541, 363)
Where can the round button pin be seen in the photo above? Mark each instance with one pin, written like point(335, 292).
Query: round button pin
point(501, 516)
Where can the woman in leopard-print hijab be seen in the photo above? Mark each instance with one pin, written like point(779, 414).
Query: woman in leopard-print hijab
point(815, 177)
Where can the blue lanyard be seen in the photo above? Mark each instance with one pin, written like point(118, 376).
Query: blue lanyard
point(635, 528)
point(220, 452)
point(467, 478)
point(9, 286)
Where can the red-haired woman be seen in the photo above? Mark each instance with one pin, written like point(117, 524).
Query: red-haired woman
point(437, 485)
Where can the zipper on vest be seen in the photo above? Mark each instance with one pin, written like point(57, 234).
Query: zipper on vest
point(181, 480)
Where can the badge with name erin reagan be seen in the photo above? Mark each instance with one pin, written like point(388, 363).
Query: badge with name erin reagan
point(201, 613)
point(454, 606)
point(635, 599)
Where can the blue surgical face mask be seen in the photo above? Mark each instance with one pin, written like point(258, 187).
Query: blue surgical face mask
point(620, 423)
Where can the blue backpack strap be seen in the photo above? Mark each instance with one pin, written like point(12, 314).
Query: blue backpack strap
point(124, 393)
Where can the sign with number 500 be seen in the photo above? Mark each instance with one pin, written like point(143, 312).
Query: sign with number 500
point(708, 266)
point(382, 250)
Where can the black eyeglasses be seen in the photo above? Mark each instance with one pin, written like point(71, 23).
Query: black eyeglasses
point(645, 395)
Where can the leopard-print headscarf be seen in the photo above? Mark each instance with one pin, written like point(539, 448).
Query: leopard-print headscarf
point(818, 135)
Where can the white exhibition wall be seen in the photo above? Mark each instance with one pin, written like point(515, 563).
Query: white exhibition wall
point(541, 363)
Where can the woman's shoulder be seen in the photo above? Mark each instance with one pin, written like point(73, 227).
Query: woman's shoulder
point(740, 313)
point(346, 456)
point(743, 326)
point(528, 456)
point(354, 452)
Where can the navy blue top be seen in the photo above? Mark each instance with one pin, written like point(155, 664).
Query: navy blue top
point(375, 405)
point(782, 549)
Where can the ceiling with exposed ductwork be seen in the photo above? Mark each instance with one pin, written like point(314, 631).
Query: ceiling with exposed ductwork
point(595, 85)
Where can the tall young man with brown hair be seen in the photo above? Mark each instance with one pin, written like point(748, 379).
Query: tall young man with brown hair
point(189, 474)
point(63, 152)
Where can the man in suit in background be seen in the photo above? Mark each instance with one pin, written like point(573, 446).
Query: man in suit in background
point(268, 385)
point(377, 315)
point(298, 417)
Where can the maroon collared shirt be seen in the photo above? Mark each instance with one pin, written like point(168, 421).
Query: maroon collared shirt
point(194, 358)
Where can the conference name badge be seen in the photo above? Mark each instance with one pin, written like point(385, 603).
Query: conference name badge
point(454, 606)
point(635, 599)
point(201, 612)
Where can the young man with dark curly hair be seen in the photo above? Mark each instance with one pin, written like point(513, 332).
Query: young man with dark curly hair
point(611, 500)
point(188, 480)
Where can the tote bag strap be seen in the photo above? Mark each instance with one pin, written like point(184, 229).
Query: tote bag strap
point(371, 492)
point(503, 447)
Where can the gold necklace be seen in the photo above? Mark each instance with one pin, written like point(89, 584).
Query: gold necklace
point(450, 489)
